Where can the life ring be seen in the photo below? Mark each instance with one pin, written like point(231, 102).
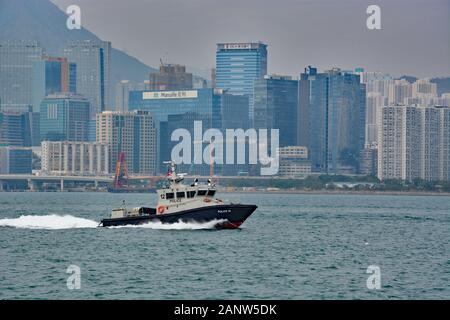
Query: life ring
point(160, 209)
point(206, 200)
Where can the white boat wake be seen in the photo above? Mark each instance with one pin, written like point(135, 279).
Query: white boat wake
point(49, 222)
point(180, 225)
point(59, 222)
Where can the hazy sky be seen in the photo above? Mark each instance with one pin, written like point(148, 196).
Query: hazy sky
point(414, 40)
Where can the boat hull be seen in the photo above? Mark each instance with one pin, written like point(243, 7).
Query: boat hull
point(230, 216)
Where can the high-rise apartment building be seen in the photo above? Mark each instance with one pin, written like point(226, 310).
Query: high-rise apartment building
point(16, 73)
point(74, 158)
point(414, 143)
point(133, 133)
point(238, 65)
point(93, 61)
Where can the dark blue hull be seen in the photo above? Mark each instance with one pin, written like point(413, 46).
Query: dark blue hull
point(228, 216)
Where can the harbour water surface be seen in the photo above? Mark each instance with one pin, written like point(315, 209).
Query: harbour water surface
point(293, 247)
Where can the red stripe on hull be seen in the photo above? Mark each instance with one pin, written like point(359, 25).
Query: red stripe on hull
point(229, 225)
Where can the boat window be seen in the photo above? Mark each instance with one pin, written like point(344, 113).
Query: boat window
point(201, 192)
point(211, 193)
point(180, 195)
point(169, 195)
point(190, 194)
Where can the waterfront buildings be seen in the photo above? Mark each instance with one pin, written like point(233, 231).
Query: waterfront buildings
point(64, 117)
point(16, 73)
point(276, 107)
point(15, 129)
point(93, 61)
point(74, 158)
point(238, 65)
point(414, 143)
point(15, 160)
point(333, 102)
point(133, 133)
point(293, 161)
point(369, 160)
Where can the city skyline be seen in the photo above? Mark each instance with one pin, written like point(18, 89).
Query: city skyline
point(295, 39)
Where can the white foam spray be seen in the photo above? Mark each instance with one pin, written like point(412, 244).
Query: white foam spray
point(59, 222)
point(180, 225)
point(49, 222)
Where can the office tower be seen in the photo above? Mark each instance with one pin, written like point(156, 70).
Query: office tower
point(238, 65)
point(132, 133)
point(294, 161)
point(16, 73)
point(276, 107)
point(222, 109)
point(52, 75)
point(64, 117)
point(15, 160)
point(334, 104)
point(74, 158)
point(93, 61)
point(170, 77)
point(414, 143)
point(15, 129)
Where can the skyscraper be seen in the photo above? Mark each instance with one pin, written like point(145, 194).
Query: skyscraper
point(16, 70)
point(238, 65)
point(334, 103)
point(275, 107)
point(93, 61)
point(132, 133)
point(52, 75)
point(64, 117)
point(15, 128)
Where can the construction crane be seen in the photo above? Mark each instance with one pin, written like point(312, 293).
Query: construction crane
point(121, 177)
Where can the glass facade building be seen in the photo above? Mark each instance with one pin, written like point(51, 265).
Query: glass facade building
point(52, 75)
point(276, 103)
point(15, 160)
point(15, 129)
point(64, 117)
point(92, 59)
point(16, 73)
point(238, 65)
point(215, 107)
point(334, 104)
